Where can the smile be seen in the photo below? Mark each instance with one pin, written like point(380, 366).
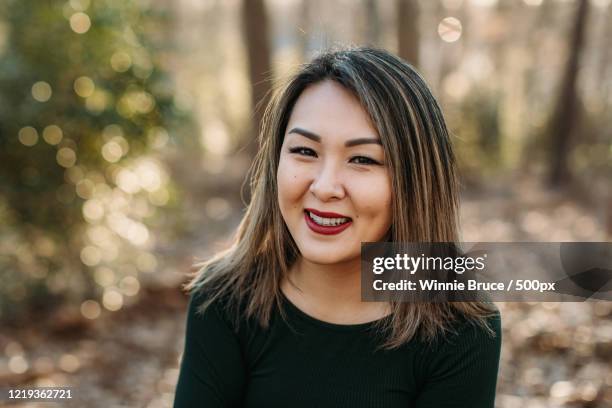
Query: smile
point(327, 221)
point(326, 225)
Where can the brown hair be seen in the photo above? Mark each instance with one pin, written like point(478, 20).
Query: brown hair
point(423, 176)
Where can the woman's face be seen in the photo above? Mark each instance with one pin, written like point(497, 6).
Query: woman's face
point(334, 189)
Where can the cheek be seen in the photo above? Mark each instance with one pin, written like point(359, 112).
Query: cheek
point(290, 183)
point(373, 199)
point(387, 201)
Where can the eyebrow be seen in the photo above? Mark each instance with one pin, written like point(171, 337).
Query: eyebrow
point(348, 143)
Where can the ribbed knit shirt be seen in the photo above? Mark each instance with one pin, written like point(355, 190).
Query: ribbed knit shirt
point(301, 361)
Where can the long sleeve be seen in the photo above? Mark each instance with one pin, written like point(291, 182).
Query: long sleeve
point(463, 371)
point(212, 372)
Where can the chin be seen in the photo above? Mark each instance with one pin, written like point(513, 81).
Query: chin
point(326, 253)
point(319, 260)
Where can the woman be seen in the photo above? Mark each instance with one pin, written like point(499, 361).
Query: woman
point(353, 149)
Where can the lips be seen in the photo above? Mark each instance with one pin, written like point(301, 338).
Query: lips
point(326, 229)
point(326, 214)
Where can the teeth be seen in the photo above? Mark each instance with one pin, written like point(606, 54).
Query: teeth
point(328, 222)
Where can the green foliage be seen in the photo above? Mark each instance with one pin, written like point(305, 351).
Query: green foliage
point(478, 127)
point(84, 100)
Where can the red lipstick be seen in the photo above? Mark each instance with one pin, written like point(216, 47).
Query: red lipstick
point(323, 229)
point(326, 214)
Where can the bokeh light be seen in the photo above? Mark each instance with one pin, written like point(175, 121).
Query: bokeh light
point(85, 189)
point(135, 102)
point(215, 137)
point(52, 134)
point(129, 286)
point(74, 174)
point(112, 152)
point(90, 309)
point(28, 136)
point(18, 364)
point(98, 101)
point(149, 175)
point(561, 389)
point(112, 300)
point(84, 86)
point(137, 233)
point(121, 61)
point(66, 157)
point(159, 197)
point(41, 91)
point(90, 255)
point(158, 137)
point(484, 3)
point(128, 181)
point(450, 29)
point(93, 210)
point(110, 251)
point(69, 363)
point(80, 22)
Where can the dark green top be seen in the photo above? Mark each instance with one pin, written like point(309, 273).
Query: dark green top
point(305, 362)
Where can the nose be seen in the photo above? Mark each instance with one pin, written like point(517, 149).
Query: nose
point(328, 183)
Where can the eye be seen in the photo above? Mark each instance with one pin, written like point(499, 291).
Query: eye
point(306, 151)
point(303, 151)
point(364, 160)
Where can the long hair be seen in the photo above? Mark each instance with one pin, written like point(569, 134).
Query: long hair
point(422, 166)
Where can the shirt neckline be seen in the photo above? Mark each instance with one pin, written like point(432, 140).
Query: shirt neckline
point(296, 311)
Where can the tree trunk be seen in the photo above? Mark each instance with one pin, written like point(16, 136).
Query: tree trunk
point(408, 30)
point(565, 116)
point(255, 32)
point(371, 23)
point(604, 71)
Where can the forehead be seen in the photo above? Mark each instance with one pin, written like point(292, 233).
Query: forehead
point(330, 110)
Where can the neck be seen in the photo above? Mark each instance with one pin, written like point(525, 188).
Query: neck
point(337, 284)
point(331, 293)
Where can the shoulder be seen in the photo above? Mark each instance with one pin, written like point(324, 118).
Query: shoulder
point(469, 343)
point(466, 349)
point(471, 330)
point(207, 308)
point(473, 334)
point(211, 306)
point(212, 368)
point(461, 368)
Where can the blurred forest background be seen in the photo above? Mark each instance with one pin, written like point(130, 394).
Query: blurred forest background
point(127, 128)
